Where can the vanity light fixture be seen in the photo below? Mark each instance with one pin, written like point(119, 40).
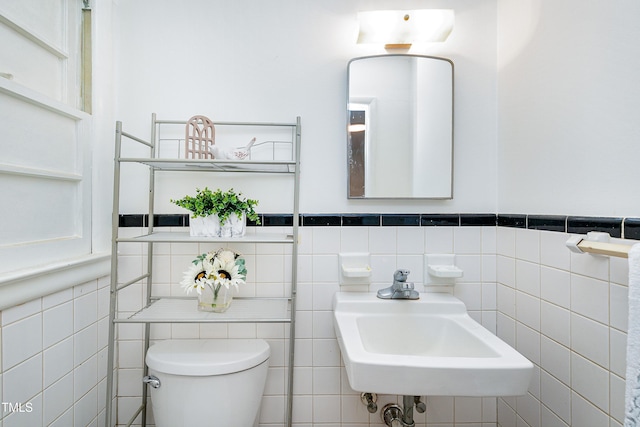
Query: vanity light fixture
point(399, 29)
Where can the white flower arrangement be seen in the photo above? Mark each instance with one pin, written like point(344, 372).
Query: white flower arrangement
point(215, 269)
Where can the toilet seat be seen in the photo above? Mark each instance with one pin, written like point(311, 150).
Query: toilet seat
point(205, 357)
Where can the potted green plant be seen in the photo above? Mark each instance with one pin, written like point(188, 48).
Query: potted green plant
point(218, 213)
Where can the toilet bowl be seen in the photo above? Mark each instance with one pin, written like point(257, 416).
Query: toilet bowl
point(207, 383)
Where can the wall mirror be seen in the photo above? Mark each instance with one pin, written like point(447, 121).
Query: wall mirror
point(400, 127)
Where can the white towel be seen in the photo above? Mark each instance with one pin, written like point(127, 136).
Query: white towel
point(632, 391)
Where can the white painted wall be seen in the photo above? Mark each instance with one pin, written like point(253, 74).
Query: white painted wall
point(271, 61)
point(568, 107)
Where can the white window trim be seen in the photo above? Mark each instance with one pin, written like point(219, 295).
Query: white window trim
point(83, 175)
point(20, 286)
point(27, 95)
point(23, 285)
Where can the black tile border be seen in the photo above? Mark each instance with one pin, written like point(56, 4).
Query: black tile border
point(273, 220)
point(441, 220)
point(511, 220)
point(166, 220)
point(361, 220)
point(321, 220)
point(617, 227)
point(132, 220)
point(400, 220)
point(547, 222)
point(631, 228)
point(582, 225)
point(478, 220)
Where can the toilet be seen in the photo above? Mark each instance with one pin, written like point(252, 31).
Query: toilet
point(208, 382)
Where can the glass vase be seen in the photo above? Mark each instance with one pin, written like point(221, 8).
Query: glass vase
point(217, 302)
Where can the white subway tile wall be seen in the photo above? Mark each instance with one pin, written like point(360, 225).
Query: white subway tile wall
point(565, 312)
point(53, 359)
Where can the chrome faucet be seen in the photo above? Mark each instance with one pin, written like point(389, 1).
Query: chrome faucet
point(401, 289)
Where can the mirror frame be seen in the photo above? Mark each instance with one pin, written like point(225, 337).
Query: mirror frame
point(349, 196)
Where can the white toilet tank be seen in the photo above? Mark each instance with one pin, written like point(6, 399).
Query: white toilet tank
point(208, 382)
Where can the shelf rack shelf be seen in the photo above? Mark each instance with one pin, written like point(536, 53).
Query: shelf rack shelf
point(191, 165)
point(184, 310)
point(183, 237)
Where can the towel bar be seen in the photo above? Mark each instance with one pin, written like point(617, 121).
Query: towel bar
point(611, 249)
point(597, 243)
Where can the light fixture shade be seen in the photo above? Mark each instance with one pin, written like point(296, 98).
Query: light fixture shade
point(404, 27)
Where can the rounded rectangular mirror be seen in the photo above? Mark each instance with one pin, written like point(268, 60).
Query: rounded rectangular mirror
point(400, 127)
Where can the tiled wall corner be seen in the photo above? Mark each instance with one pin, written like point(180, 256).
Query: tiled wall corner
point(566, 312)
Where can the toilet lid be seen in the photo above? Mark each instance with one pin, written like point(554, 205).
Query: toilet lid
point(207, 356)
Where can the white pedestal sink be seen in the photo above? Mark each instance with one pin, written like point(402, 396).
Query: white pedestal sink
point(425, 347)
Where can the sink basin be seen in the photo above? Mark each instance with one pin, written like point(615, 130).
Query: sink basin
point(430, 346)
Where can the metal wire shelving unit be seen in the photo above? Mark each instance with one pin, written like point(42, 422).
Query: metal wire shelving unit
point(182, 310)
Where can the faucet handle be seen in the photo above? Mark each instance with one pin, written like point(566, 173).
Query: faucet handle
point(407, 286)
point(407, 290)
point(401, 275)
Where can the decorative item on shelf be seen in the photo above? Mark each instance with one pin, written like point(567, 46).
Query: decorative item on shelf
point(212, 275)
point(218, 213)
point(200, 142)
point(240, 153)
point(200, 136)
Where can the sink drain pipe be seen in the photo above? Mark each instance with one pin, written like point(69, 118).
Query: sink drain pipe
point(394, 416)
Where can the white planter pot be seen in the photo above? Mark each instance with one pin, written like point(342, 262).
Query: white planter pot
point(205, 226)
point(234, 226)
